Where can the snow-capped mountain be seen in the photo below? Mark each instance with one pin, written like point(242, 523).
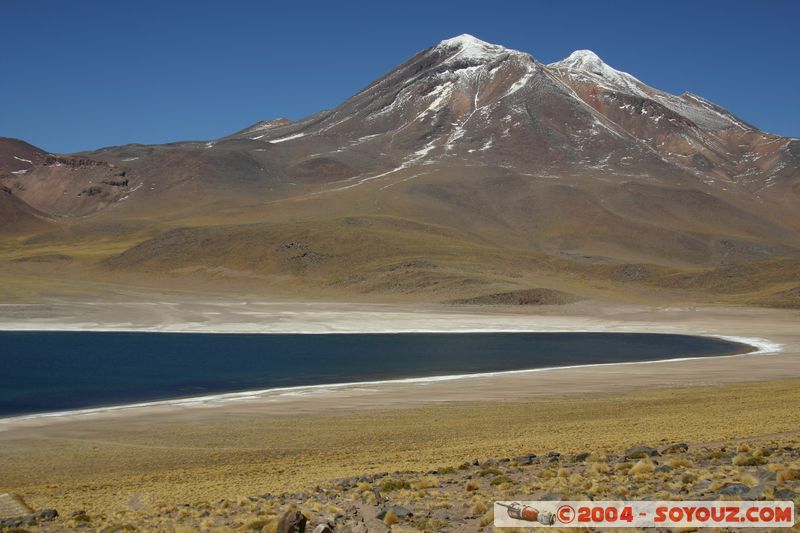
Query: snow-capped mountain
point(465, 99)
point(573, 159)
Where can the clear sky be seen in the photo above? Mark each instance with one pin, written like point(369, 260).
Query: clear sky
point(81, 74)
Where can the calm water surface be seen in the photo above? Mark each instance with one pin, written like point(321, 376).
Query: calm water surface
point(53, 371)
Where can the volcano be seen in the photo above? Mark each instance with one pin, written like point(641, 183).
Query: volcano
point(470, 169)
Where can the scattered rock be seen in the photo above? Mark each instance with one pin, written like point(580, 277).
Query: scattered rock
point(756, 492)
point(785, 494)
point(399, 511)
point(45, 515)
point(375, 526)
point(525, 459)
point(734, 489)
point(292, 522)
point(766, 475)
point(581, 457)
point(640, 452)
point(358, 527)
point(680, 447)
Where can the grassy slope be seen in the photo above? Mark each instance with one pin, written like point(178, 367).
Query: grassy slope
point(451, 234)
point(145, 463)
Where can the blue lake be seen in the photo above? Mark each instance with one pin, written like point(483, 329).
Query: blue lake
point(54, 371)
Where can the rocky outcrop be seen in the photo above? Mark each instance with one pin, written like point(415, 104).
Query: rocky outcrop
point(74, 161)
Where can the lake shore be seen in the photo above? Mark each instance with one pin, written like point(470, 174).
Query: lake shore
point(133, 460)
point(772, 332)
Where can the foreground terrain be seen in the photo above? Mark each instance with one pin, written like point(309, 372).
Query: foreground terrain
point(437, 468)
point(198, 465)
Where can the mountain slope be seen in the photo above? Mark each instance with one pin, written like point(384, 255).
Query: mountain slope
point(470, 167)
point(59, 184)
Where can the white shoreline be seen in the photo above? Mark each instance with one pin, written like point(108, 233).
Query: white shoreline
point(763, 347)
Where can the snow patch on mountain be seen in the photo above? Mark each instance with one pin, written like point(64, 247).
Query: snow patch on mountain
point(470, 47)
point(588, 64)
point(287, 138)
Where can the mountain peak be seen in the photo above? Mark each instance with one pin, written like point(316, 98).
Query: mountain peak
point(470, 47)
point(585, 63)
point(584, 60)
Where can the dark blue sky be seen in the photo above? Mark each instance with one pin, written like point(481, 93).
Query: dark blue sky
point(79, 75)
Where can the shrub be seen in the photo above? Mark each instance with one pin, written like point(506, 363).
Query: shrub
point(426, 482)
point(788, 474)
point(259, 525)
point(644, 466)
point(679, 462)
point(395, 484)
point(499, 480)
point(488, 518)
point(391, 517)
point(479, 508)
point(744, 459)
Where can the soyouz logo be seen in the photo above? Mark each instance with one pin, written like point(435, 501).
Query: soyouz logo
point(739, 514)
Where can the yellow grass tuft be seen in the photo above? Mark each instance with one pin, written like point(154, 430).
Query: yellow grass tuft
point(599, 468)
point(391, 517)
point(644, 466)
point(426, 482)
point(479, 508)
point(745, 459)
point(788, 474)
point(679, 462)
point(488, 518)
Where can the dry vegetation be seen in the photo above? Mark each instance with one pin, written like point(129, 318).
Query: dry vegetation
point(369, 258)
point(242, 472)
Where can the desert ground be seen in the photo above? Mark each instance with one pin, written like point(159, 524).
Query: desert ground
point(173, 464)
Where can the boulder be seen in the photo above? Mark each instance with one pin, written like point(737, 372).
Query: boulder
point(640, 452)
point(376, 526)
point(680, 447)
point(323, 528)
point(292, 522)
point(525, 459)
point(766, 476)
point(45, 515)
point(399, 511)
point(734, 489)
point(785, 494)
